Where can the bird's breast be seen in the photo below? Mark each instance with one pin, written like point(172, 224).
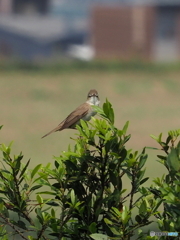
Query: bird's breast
point(88, 116)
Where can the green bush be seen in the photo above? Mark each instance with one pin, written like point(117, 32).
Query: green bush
point(82, 195)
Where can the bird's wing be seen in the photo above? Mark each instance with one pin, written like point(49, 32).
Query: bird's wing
point(72, 118)
point(75, 116)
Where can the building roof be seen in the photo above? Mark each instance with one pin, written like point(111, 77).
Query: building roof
point(40, 28)
point(156, 2)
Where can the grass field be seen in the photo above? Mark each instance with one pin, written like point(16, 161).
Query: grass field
point(32, 102)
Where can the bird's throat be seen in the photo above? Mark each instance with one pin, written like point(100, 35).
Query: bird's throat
point(93, 101)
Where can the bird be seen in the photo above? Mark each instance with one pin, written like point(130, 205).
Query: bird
point(84, 112)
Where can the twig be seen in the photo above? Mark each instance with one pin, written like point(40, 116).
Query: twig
point(122, 199)
point(12, 226)
point(41, 232)
point(132, 190)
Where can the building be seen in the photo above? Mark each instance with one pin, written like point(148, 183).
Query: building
point(122, 29)
point(148, 31)
point(25, 7)
point(30, 30)
point(35, 38)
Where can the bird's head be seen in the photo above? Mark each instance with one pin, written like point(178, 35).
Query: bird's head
point(93, 97)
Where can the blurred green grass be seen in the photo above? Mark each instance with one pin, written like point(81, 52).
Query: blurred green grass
point(36, 98)
point(65, 65)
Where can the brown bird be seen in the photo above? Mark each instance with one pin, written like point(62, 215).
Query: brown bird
point(84, 111)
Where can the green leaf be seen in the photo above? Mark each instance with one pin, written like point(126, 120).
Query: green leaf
point(85, 127)
point(174, 133)
point(143, 208)
point(73, 199)
point(24, 169)
point(162, 157)
point(39, 215)
point(113, 178)
point(108, 222)
point(140, 174)
point(143, 180)
point(152, 148)
point(125, 127)
point(47, 193)
point(159, 138)
point(39, 199)
point(22, 225)
point(81, 130)
point(138, 218)
point(56, 163)
point(169, 138)
point(125, 215)
point(4, 192)
point(53, 214)
point(126, 138)
point(92, 227)
point(114, 231)
point(35, 170)
point(142, 160)
point(17, 164)
point(154, 137)
point(53, 203)
point(9, 147)
point(108, 110)
point(173, 160)
point(158, 203)
point(30, 238)
point(99, 236)
point(35, 187)
point(98, 110)
point(116, 212)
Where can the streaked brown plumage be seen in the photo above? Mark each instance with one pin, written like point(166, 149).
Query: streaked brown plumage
point(84, 111)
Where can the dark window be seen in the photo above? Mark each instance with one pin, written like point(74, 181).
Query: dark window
point(33, 6)
point(166, 22)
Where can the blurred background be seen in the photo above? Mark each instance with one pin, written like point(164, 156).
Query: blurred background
point(52, 52)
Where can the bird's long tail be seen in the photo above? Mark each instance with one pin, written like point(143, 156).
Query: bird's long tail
point(54, 130)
